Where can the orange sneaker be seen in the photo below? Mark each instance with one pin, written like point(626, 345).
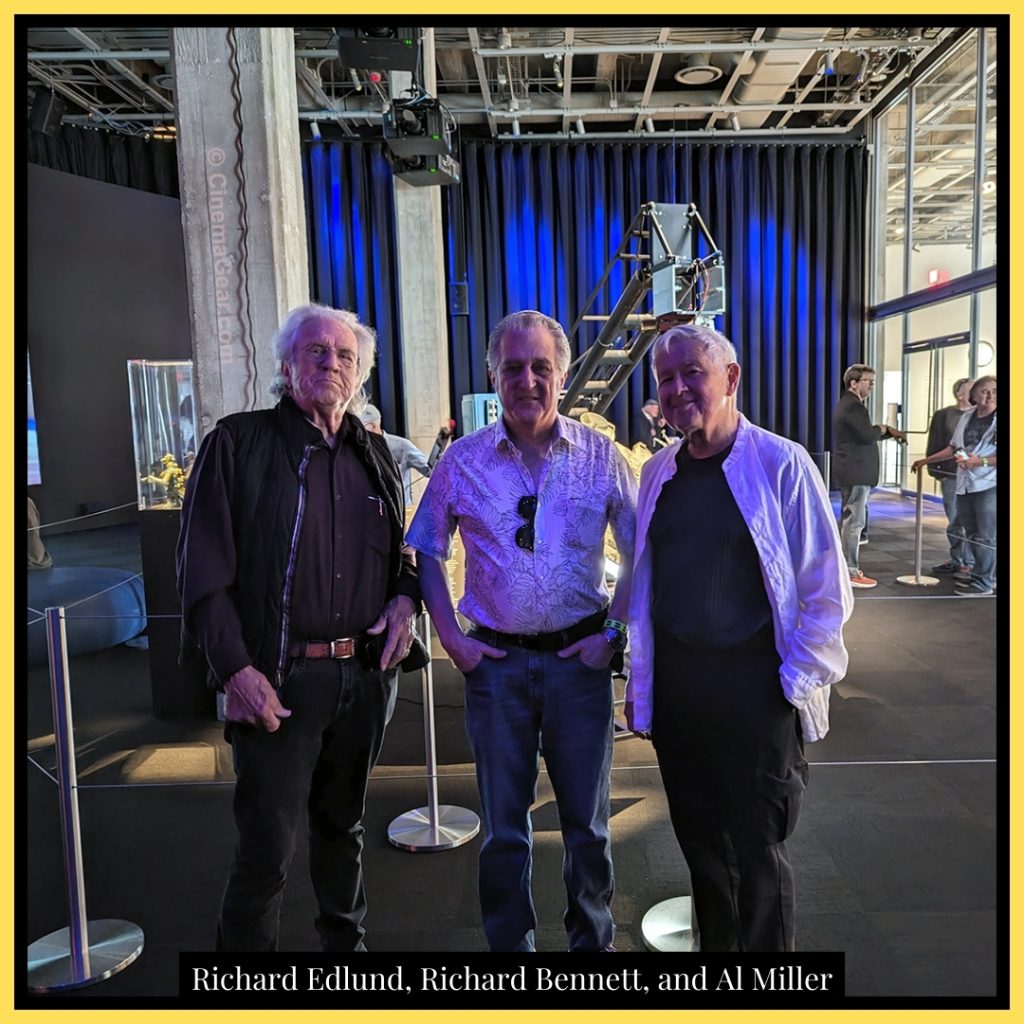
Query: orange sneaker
point(862, 581)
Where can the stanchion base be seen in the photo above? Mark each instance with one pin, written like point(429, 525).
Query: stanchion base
point(113, 945)
point(412, 830)
point(919, 581)
point(667, 926)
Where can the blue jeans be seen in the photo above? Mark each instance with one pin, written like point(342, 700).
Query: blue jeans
point(319, 759)
point(954, 528)
point(518, 707)
point(854, 519)
point(978, 515)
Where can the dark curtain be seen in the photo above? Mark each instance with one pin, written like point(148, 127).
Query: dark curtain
point(127, 160)
point(542, 221)
point(534, 226)
point(350, 216)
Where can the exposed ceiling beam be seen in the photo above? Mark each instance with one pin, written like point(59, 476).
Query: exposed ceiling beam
point(311, 82)
point(121, 67)
point(737, 73)
point(652, 77)
point(481, 74)
point(570, 35)
point(79, 98)
point(876, 43)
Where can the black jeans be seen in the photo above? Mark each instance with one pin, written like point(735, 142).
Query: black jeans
point(320, 757)
point(731, 757)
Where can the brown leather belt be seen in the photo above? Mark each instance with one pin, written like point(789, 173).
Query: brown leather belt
point(542, 641)
point(340, 649)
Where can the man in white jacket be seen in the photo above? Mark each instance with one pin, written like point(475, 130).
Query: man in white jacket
point(739, 597)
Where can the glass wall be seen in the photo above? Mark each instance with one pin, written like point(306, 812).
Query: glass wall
point(934, 221)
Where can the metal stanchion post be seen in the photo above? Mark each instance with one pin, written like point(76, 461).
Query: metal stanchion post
point(668, 926)
point(85, 952)
point(436, 826)
point(917, 579)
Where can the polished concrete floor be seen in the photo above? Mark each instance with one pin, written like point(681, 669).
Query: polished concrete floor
point(897, 856)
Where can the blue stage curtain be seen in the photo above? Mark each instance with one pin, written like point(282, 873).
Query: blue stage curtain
point(350, 217)
point(541, 221)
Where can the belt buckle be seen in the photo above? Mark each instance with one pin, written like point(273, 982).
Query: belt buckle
point(343, 647)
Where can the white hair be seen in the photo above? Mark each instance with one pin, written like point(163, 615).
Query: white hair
point(524, 321)
point(284, 344)
point(714, 342)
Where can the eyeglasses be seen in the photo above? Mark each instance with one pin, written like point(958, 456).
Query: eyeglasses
point(527, 508)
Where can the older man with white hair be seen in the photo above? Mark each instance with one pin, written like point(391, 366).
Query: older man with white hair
point(739, 596)
point(295, 588)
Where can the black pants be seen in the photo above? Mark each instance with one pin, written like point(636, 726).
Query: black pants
point(320, 757)
point(731, 759)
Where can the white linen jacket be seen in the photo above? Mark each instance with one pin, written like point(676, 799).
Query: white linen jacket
point(783, 501)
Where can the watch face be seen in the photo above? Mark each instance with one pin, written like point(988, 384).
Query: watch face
point(615, 640)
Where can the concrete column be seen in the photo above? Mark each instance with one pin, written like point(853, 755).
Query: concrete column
point(421, 289)
point(242, 205)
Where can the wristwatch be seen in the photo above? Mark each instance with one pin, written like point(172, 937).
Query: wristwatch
point(615, 638)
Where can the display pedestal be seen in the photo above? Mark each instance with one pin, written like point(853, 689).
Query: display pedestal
point(178, 692)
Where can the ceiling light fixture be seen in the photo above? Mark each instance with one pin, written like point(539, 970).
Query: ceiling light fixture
point(697, 69)
point(649, 125)
point(734, 122)
point(356, 80)
point(556, 66)
point(504, 39)
point(580, 130)
point(515, 127)
point(829, 67)
point(314, 130)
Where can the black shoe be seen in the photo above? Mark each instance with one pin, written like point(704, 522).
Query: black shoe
point(945, 569)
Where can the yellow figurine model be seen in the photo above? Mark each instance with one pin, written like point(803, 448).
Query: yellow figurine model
point(171, 478)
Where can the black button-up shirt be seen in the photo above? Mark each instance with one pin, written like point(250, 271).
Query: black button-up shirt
point(341, 575)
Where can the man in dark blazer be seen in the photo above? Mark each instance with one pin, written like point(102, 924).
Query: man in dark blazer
point(855, 462)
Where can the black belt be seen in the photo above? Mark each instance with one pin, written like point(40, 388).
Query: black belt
point(340, 649)
point(542, 641)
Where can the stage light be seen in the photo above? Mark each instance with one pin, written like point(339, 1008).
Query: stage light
point(580, 130)
point(314, 130)
point(649, 125)
point(515, 127)
point(384, 48)
point(734, 122)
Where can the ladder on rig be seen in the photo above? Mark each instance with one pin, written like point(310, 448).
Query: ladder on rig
point(661, 245)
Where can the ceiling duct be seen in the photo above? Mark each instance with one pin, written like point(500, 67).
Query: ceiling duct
point(776, 71)
point(697, 69)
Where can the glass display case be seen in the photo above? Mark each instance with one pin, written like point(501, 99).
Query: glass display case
point(164, 429)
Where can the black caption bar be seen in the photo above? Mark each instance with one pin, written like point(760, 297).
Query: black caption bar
point(537, 981)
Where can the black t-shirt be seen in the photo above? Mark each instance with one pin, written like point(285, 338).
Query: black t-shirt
point(975, 429)
point(707, 585)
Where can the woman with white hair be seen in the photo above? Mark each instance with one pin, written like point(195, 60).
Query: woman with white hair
point(974, 447)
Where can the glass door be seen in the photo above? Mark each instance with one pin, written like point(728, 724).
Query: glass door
point(930, 369)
